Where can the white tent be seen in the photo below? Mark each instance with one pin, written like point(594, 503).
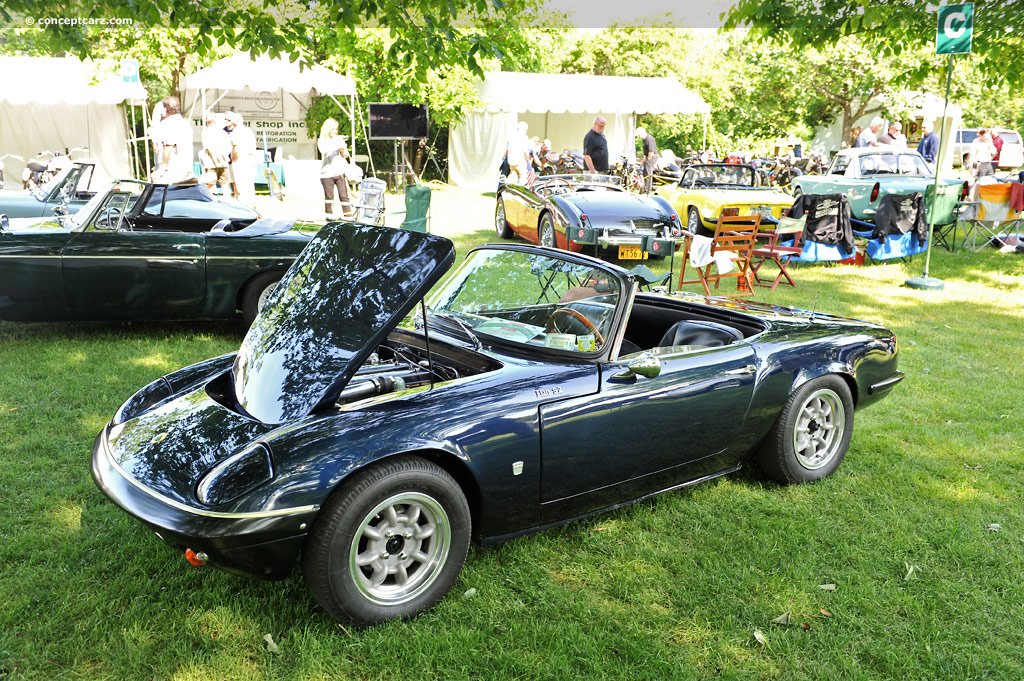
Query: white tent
point(272, 95)
point(559, 107)
point(58, 103)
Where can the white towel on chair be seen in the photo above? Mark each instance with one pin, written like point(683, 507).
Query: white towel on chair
point(700, 255)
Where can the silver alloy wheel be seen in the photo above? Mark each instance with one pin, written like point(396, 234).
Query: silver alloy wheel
point(261, 302)
point(399, 548)
point(818, 432)
point(692, 220)
point(547, 233)
point(499, 220)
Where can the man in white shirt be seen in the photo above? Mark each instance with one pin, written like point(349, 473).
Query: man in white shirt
point(867, 137)
point(243, 158)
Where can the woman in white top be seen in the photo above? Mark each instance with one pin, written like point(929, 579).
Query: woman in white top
point(982, 153)
point(332, 174)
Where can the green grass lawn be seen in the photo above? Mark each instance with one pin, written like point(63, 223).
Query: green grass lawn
point(921, 532)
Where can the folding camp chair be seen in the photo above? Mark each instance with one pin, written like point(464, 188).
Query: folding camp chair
point(733, 242)
point(417, 208)
point(991, 216)
point(369, 206)
point(785, 241)
point(947, 210)
point(646, 278)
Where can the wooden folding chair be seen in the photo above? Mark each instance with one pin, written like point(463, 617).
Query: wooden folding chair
point(777, 252)
point(735, 238)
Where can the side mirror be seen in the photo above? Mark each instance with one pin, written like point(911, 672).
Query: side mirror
point(645, 364)
point(5, 224)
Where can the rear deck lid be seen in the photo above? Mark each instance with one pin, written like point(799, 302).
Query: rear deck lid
point(344, 293)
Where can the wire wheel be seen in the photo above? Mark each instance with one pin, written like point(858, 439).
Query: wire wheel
point(399, 548)
point(547, 232)
point(819, 428)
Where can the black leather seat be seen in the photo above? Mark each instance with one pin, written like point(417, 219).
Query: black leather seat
point(707, 334)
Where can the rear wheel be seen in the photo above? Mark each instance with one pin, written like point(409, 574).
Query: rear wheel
point(501, 226)
point(812, 434)
point(257, 293)
point(389, 544)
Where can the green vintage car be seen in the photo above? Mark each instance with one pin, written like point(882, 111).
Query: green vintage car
point(142, 252)
point(71, 188)
point(866, 174)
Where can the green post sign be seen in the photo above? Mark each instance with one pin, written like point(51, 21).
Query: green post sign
point(956, 26)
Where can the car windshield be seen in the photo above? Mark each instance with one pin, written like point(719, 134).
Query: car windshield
point(58, 179)
point(893, 164)
point(105, 212)
point(530, 299)
point(724, 174)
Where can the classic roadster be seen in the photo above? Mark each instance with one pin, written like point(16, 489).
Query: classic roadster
point(534, 387)
point(583, 212)
point(866, 174)
point(69, 190)
point(144, 251)
point(708, 191)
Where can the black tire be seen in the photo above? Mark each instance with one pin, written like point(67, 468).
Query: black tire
point(340, 541)
point(811, 436)
point(546, 232)
point(501, 226)
point(256, 293)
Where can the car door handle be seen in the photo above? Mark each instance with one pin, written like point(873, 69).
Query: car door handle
point(183, 247)
point(749, 369)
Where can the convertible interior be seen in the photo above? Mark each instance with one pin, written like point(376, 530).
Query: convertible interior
point(684, 328)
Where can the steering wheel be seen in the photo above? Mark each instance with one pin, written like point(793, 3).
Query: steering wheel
point(554, 180)
point(578, 316)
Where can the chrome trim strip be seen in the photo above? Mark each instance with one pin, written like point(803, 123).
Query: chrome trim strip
point(196, 511)
point(887, 383)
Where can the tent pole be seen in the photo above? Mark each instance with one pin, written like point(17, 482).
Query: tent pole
point(145, 138)
point(704, 142)
point(133, 151)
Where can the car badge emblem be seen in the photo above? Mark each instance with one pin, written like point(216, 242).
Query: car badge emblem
point(158, 439)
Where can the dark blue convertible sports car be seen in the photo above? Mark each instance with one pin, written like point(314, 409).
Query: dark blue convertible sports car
point(535, 386)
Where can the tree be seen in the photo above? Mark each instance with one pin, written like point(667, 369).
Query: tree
point(421, 31)
point(891, 29)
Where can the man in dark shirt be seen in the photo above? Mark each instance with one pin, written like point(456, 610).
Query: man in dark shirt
point(929, 146)
point(595, 148)
point(650, 157)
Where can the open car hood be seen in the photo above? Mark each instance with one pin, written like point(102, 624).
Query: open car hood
point(340, 298)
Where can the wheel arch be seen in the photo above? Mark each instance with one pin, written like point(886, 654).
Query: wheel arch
point(240, 293)
point(843, 371)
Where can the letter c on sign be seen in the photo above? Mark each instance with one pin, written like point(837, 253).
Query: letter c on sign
point(948, 29)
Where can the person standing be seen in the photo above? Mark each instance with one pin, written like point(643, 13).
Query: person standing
point(215, 157)
point(519, 152)
point(982, 153)
point(174, 135)
point(595, 147)
point(997, 142)
point(243, 158)
point(929, 146)
point(333, 172)
point(650, 156)
point(894, 136)
point(867, 137)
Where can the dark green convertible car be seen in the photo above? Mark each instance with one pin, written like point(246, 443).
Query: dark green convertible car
point(142, 252)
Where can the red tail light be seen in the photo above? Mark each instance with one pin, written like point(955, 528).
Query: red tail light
point(874, 192)
point(196, 559)
point(730, 212)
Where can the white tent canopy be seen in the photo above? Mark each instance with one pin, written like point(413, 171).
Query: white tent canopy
point(57, 103)
point(558, 107)
point(272, 95)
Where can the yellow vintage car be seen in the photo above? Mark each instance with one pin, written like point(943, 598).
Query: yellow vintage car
point(709, 190)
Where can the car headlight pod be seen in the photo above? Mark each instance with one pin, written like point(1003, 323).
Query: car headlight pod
point(236, 475)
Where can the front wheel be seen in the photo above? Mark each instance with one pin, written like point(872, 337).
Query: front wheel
point(501, 226)
point(389, 544)
point(693, 222)
point(547, 232)
point(812, 434)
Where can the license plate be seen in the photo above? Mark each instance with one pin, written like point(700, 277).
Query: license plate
point(631, 253)
point(763, 211)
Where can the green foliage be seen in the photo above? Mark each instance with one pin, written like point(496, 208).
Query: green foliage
point(891, 29)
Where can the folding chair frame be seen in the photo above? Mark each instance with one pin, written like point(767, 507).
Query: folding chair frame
point(727, 239)
point(780, 255)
